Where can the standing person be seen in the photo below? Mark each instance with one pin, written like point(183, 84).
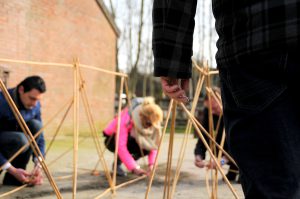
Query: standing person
point(200, 149)
point(259, 68)
point(140, 130)
point(27, 96)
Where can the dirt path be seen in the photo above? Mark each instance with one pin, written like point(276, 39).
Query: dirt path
point(191, 184)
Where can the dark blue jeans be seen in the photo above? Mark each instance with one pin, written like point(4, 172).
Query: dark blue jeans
point(262, 121)
point(11, 142)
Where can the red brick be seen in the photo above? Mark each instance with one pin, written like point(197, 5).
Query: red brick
point(59, 31)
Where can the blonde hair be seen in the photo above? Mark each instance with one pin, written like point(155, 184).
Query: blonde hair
point(151, 110)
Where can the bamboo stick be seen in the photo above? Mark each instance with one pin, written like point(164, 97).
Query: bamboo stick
point(68, 176)
point(214, 95)
point(66, 152)
point(13, 191)
point(211, 132)
point(94, 171)
point(222, 145)
point(168, 176)
point(131, 181)
point(217, 145)
point(59, 126)
point(75, 126)
point(207, 183)
point(122, 185)
point(117, 135)
point(35, 63)
point(103, 193)
point(127, 92)
point(201, 70)
point(215, 72)
point(103, 70)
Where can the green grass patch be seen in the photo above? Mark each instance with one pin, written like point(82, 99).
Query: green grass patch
point(178, 129)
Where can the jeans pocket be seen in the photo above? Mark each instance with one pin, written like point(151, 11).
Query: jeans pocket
point(253, 86)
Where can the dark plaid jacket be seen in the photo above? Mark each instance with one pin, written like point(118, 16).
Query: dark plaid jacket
point(244, 27)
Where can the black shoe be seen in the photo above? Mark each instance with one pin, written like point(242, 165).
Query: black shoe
point(239, 180)
point(231, 176)
point(120, 171)
point(11, 180)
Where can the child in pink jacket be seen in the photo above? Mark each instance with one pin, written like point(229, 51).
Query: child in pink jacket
point(139, 135)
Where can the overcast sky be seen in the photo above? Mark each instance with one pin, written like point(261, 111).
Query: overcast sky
point(122, 16)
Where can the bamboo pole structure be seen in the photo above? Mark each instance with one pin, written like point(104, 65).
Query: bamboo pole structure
point(93, 129)
point(75, 125)
point(29, 137)
point(78, 90)
point(210, 127)
point(186, 134)
point(209, 150)
point(207, 73)
point(75, 67)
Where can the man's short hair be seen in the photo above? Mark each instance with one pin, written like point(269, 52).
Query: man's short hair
point(33, 82)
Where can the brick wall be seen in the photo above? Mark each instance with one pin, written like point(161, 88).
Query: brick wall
point(59, 31)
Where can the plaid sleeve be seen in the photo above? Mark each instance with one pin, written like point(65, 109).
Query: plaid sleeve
point(173, 28)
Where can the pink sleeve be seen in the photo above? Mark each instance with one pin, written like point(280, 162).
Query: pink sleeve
point(110, 129)
point(123, 152)
point(151, 157)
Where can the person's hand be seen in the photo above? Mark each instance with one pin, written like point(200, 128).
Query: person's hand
point(175, 88)
point(149, 170)
point(199, 162)
point(139, 171)
point(150, 167)
point(20, 174)
point(36, 176)
point(212, 164)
